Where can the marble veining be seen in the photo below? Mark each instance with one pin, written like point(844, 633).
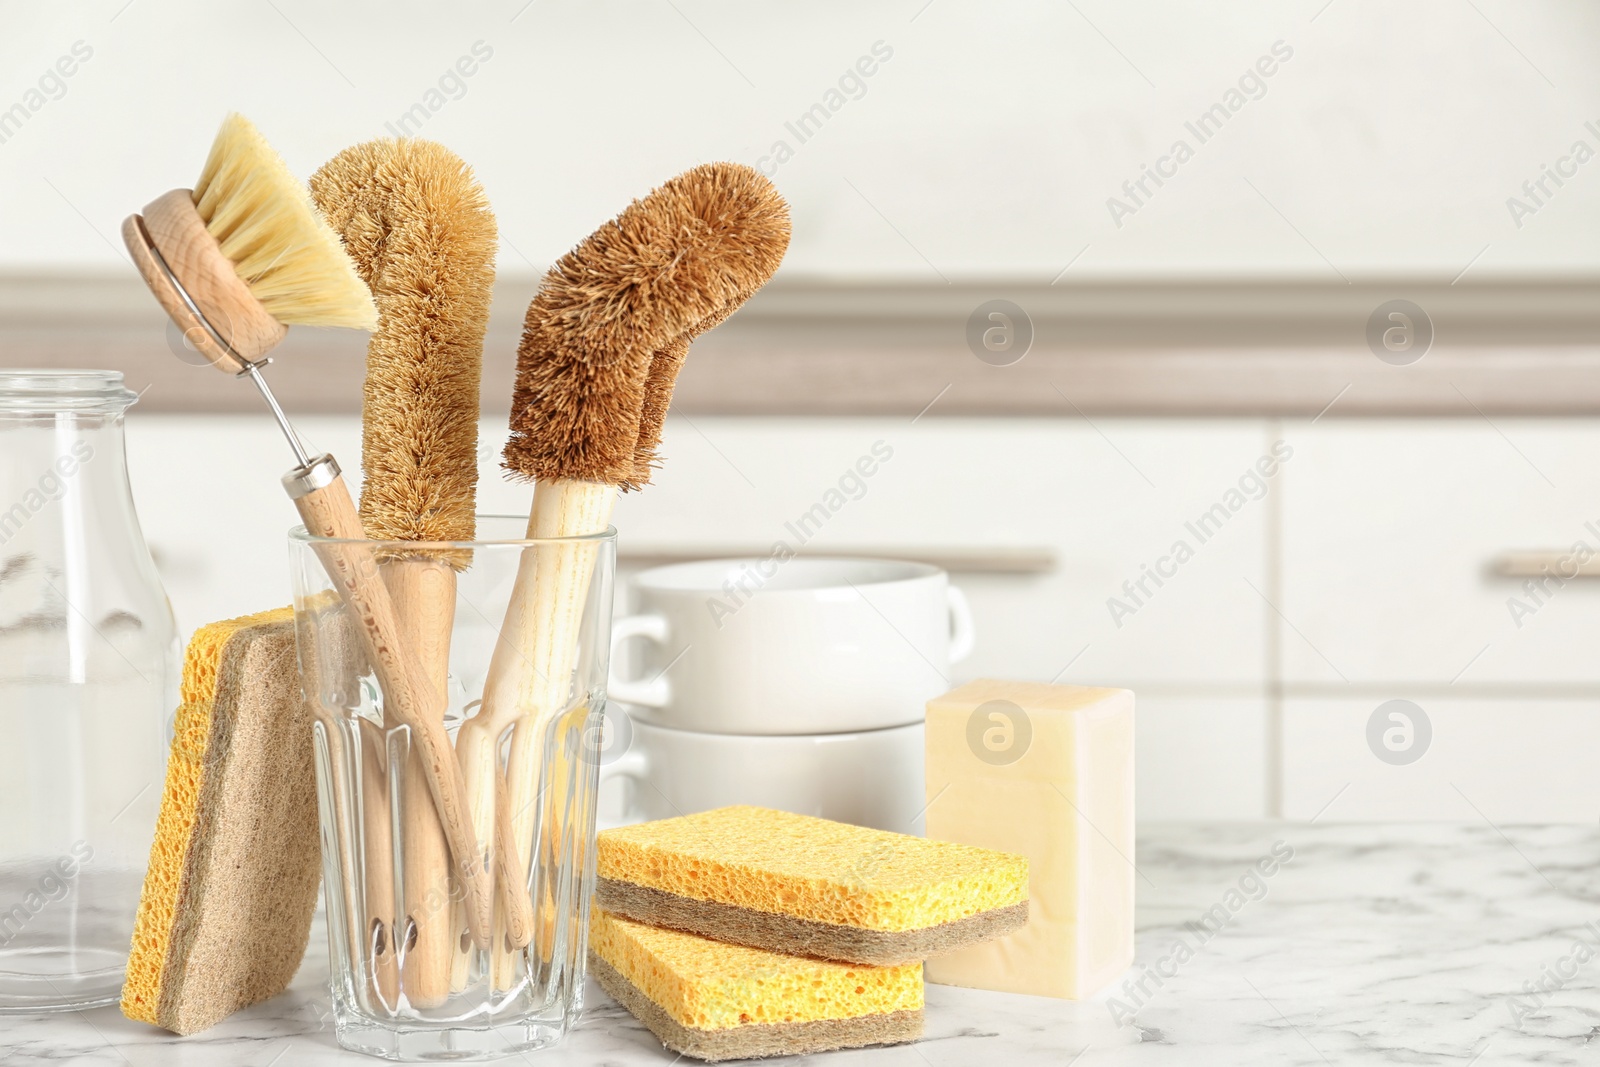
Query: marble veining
point(1367, 944)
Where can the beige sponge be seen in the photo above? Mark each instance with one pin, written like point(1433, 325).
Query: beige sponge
point(226, 909)
point(807, 886)
point(716, 1001)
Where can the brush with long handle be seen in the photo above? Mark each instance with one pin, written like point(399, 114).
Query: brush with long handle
point(679, 259)
point(418, 226)
point(660, 382)
point(232, 262)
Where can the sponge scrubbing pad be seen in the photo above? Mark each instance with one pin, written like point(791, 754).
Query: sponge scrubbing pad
point(716, 1001)
point(807, 886)
point(226, 910)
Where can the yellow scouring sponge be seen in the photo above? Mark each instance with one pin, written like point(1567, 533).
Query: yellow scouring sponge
point(717, 1001)
point(807, 886)
point(226, 909)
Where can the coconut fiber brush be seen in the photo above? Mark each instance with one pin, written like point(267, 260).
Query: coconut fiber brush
point(232, 262)
point(419, 228)
point(602, 343)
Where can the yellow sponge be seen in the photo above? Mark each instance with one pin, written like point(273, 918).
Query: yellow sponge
point(719, 1001)
point(226, 909)
point(808, 886)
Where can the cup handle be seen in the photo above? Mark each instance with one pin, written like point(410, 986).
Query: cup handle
point(962, 633)
point(655, 693)
point(632, 764)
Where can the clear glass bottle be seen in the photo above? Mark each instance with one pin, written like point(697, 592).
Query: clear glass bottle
point(88, 680)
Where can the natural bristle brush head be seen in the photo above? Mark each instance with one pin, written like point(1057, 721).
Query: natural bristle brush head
point(672, 265)
point(248, 250)
point(265, 223)
point(422, 235)
point(658, 386)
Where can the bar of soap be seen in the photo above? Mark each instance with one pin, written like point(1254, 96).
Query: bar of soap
point(806, 886)
point(1045, 771)
point(716, 1001)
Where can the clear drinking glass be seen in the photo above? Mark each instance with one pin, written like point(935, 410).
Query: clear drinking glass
point(88, 677)
point(407, 982)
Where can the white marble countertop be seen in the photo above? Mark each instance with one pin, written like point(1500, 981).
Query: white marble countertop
point(1373, 944)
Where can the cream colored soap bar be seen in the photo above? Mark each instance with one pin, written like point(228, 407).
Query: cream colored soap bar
point(1045, 771)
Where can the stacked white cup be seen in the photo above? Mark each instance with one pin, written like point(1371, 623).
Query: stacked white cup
point(796, 684)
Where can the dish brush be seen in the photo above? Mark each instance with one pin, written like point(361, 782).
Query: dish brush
point(420, 231)
point(234, 262)
point(640, 288)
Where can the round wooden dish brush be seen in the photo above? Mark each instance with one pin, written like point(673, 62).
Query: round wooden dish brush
point(232, 262)
point(601, 346)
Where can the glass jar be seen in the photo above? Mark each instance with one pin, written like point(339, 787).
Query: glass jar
point(88, 677)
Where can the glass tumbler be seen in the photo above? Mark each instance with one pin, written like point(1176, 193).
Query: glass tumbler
point(88, 678)
point(510, 637)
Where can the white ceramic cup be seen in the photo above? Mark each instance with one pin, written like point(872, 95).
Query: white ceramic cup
point(801, 646)
point(870, 778)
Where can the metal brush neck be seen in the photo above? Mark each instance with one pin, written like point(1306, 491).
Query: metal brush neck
point(253, 372)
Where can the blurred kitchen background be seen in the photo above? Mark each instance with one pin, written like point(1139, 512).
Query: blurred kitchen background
point(1176, 322)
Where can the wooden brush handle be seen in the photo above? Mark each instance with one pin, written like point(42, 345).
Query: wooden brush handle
point(515, 917)
point(378, 948)
point(478, 751)
point(530, 673)
point(327, 510)
point(423, 592)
